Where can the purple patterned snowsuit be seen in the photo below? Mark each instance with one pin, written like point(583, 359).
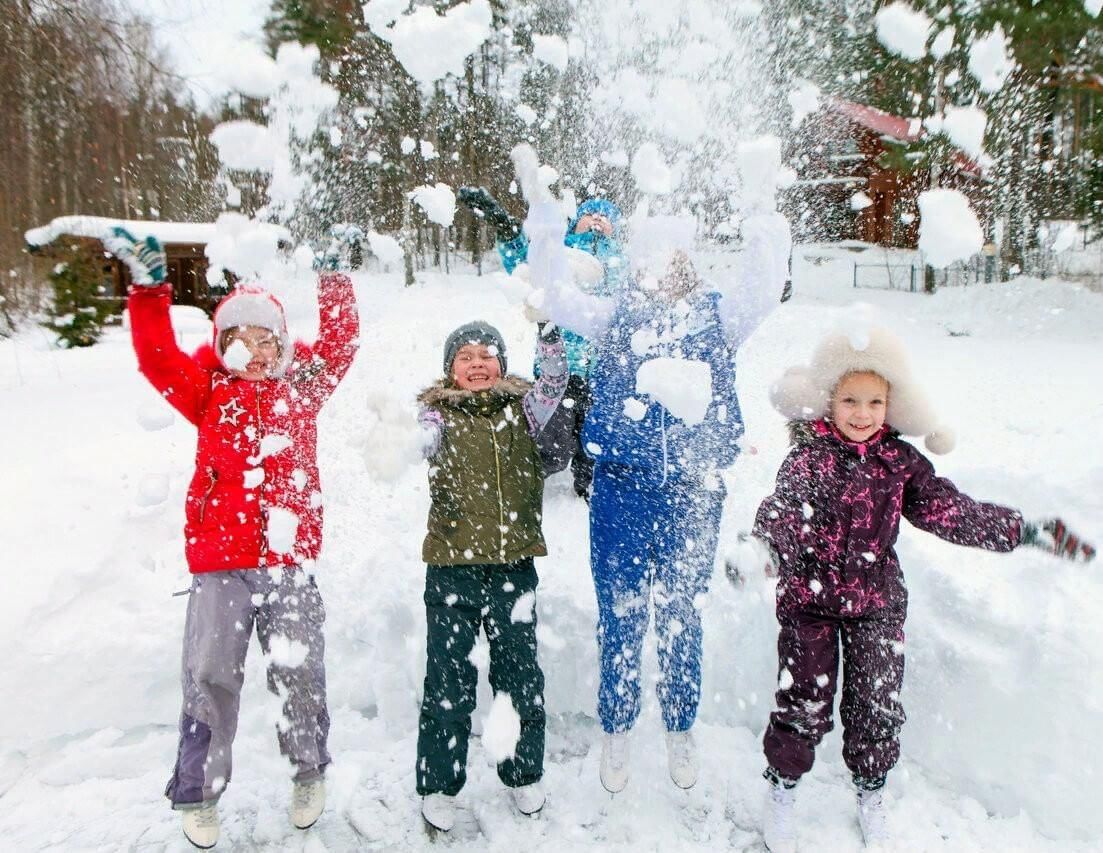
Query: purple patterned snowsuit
point(832, 521)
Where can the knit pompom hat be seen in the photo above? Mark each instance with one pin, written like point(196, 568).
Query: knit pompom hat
point(804, 391)
point(251, 305)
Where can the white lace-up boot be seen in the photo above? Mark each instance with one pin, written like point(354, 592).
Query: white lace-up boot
point(307, 801)
point(439, 811)
point(528, 799)
point(871, 818)
point(614, 762)
point(201, 825)
point(681, 758)
point(778, 826)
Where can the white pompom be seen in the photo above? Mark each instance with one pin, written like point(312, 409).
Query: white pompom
point(941, 440)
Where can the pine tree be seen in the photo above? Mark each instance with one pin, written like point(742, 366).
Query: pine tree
point(79, 309)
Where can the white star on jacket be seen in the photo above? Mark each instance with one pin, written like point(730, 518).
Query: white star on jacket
point(229, 412)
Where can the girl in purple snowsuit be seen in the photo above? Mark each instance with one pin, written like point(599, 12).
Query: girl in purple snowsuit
point(829, 529)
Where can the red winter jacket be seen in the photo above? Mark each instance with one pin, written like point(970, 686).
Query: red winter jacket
point(255, 499)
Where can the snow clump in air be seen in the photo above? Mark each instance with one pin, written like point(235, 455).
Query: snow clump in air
point(551, 50)
point(989, 60)
point(682, 385)
point(964, 126)
point(386, 248)
point(430, 46)
point(948, 228)
point(501, 729)
point(903, 30)
point(650, 170)
point(283, 525)
point(439, 203)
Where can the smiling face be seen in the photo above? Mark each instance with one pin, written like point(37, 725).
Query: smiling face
point(858, 405)
point(264, 351)
point(476, 367)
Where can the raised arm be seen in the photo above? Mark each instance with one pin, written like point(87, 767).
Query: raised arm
point(338, 334)
point(934, 504)
point(563, 302)
point(763, 270)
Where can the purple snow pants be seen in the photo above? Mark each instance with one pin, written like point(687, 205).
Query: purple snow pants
point(808, 667)
point(223, 607)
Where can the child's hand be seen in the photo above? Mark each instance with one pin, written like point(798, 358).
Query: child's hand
point(145, 258)
point(1053, 536)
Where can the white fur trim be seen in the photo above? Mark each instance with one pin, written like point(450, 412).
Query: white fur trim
point(804, 392)
point(253, 306)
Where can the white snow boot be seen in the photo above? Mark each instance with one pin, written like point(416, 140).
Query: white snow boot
point(614, 762)
point(528, 799)
point(439, 811)
point(778, 826)
point(871, 817)
point(201, 825)
point(681, 758)
point(307, 801)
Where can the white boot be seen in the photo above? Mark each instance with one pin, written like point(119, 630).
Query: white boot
point(529, 799)
point(871, 817)
point(778, 829)
point(681, 758)
point(614, 762)
point(307, 801)
point(201, 825)
point(439, 811)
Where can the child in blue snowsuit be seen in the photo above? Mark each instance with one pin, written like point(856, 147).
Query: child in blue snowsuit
point(594, 229)
point(657, 494)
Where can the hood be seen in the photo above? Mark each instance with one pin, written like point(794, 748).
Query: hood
point(600, 207)
point(252, 305)
point(442, 393)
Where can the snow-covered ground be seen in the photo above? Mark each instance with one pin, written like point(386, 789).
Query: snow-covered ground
point(1003, 690)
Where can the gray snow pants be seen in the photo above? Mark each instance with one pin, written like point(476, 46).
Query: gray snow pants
point(223, 607)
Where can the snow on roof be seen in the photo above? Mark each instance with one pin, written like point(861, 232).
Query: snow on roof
point(97, 227)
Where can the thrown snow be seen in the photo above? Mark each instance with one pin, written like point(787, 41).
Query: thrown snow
point(903, 30)
point(386, 248)
point(286, 652)
point(634, 409)
point(682, 385)
point(551, 50)
point(943, 43)
point(760, 172)
point(523, 608)
point(272, 444)
point(428, 45)
point(237, 356)
point(245, 145)
point(860, 201)
point(244, 246)
point(526, 113)
point(990, 60)
point(650, 171)
point(501, 729)
point(804, 99)
point(438, 202)
point(282, 528)
point(948, 227)
point(965, 128)
point(1092, 7)
point(248, 69)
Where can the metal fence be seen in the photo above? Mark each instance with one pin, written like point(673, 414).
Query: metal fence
point(912, 277)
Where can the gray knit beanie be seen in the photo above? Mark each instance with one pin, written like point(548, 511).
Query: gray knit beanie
point(477, 332)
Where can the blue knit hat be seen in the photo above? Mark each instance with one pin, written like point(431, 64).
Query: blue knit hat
point(476, 332)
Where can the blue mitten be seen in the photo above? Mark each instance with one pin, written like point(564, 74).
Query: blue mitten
point(145, 258)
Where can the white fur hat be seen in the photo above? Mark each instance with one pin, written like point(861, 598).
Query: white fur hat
point(804, 392)
point(250, 305)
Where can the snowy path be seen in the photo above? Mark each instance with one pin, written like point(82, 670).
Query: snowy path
point(1003, 691)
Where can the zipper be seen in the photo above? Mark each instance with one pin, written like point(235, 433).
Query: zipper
point(263, 550)
point(501, 505)
point(213, 475)
point(662, 429)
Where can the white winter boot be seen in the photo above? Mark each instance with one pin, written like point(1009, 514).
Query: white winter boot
point(528, 799)
point(307, 801)
point(201, 825)
point(614, 762)
point(439, 811)
point(778, 826)
point(871, 817)
point(681, 758)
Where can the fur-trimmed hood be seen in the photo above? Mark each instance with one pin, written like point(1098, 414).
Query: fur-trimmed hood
point(443, 393)
point(804, 391)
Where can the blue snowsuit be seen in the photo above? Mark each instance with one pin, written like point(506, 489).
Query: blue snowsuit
point(607, 250)
point(657, 501)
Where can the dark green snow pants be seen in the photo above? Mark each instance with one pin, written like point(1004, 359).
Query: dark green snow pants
point(458, 600)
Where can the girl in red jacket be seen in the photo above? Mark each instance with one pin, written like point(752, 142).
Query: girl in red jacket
point(253, 525)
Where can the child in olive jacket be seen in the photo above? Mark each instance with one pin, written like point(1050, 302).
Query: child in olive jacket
point(490, 439)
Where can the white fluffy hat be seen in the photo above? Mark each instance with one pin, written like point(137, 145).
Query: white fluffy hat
point(250, 305)
point(804, 392)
